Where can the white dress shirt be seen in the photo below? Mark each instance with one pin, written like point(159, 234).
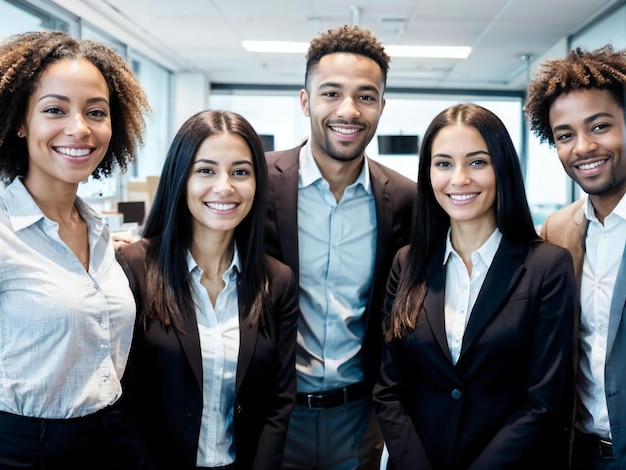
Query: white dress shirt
point(337, 248)
point(218, 328)
point(603, 254)
point(462, 288)
point(64, 333)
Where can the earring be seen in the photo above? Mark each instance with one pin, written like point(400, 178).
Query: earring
point(19, 134)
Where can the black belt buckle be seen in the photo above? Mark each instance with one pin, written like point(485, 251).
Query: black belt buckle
point(315, 401)
point(605, 447)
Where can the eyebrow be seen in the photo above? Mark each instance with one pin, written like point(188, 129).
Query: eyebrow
point(587, 120)
point(213, 162)
point(96, 99)
point(467, 155)
point(340, 86)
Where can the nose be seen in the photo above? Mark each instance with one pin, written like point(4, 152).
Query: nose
point(77, 126)
point(585, 144)
point(223, 183)
point(460, 176)
point(348, 108)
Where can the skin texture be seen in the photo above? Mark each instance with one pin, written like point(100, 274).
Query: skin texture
point(464, 183)
point(221, 185)
point(67, 113)
point(589, 133)
point(344, 102)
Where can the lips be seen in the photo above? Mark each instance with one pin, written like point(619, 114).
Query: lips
point(463, 197)
point(73, 152)
point(346, 131)
point(590, 166)
point(218, 206)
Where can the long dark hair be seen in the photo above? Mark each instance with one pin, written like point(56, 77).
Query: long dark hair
point(168, 226)
point(430, 221)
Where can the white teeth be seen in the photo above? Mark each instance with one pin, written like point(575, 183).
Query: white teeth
point(589, 166)
point(462, 197)
point(72, 152)
point(343, 130)
point(221, 207)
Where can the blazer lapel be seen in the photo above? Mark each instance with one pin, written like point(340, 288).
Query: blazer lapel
point(575, 235)
point(285, 198)
point(434, 302)
point(190, 344)
point(618, 302)
point(506, 265)
point(384, 212)
point(247, 345)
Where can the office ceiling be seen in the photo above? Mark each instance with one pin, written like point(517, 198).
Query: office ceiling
point(206, 35)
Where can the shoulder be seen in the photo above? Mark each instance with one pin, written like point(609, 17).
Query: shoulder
point(282, 157)
point(135, 250)
point(545, 253)
point(378, 169)
point(565, 215)
point(278, 270)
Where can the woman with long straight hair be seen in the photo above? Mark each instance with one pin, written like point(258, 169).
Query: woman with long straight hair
point(480, 312)
point(212, 367)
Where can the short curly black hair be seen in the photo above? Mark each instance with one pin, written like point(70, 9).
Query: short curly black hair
point(23, 59)
point(602, 68)
point(350, 39)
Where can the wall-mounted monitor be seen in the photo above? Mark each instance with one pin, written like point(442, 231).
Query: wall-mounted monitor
point(268, 142)
point(397, 144)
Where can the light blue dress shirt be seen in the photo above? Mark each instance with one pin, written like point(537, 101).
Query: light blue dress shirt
point(337, 249)
point(218, 328)
point(64, 333)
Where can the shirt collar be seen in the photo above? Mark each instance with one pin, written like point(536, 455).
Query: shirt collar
point(309, 173)
point(590, 213)
point(23, 211)
point(231, 273)
point(487, 251)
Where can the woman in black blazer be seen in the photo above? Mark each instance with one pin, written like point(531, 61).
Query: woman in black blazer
point(480, 313)
point(211, 374)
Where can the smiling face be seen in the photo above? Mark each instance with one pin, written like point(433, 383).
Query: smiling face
point(462, 176)
point(589, 134)
point(67, 124)
point(221, 184)
point(344, 102)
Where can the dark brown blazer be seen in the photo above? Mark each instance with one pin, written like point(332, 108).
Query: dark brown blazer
point(394, 195)
point(163, 381)
point(497, 407)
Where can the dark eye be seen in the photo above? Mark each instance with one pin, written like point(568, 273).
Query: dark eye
point(442, 164)
point(53, 110)
point(478, 162)
point(241, 172)
point(600, 127)
point(206, 171)
point(367, 98)
point(563, 137)
point(97, 113)
point(330, 94)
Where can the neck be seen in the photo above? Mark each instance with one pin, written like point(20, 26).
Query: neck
point(603, 205)
point(57, 203)
point(213, 256)
point(339, 174)
point(466, 238)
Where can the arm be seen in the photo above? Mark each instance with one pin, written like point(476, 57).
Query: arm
point(530, 425)
point(403, 443)
point(286, 310)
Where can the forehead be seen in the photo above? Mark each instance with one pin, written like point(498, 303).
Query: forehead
point(72, 76)
point(224, 145)
point(579, 104)
point(458, 139)
point(343, 67)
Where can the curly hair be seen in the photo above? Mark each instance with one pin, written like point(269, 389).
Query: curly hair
point(602, 68)
point(23, 59)
point(350, 39)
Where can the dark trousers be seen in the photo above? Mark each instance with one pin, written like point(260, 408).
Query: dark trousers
point(104, 440)
point(590, 454)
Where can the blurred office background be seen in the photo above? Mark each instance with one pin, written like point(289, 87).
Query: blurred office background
point(191, 55)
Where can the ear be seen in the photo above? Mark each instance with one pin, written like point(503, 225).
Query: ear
point(304, 102)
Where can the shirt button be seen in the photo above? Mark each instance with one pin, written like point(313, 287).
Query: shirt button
point(456, 393)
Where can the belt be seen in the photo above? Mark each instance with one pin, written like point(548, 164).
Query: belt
point(601, 445)
point(333, 398)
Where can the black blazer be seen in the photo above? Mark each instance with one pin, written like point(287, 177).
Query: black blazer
point(497, 407)
point(163, 380)
point(394, 195)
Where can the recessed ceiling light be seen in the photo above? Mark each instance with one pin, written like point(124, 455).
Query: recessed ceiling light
point(441, 52)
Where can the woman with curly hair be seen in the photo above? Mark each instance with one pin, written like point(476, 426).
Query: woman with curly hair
point(69, 109)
